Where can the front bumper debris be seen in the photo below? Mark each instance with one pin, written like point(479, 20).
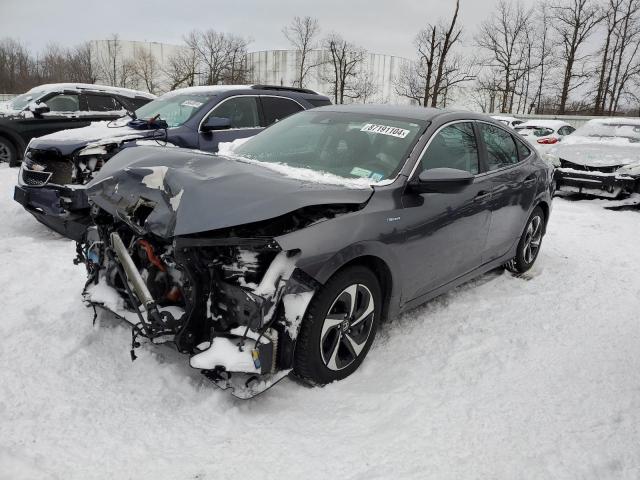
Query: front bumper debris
point(601, 184)
point(61, 209)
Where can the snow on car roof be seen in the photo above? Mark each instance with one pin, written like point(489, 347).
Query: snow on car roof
point(554, 124)
point(204, 89)
point(615, 121)
point(125, 92)
point(501, 117)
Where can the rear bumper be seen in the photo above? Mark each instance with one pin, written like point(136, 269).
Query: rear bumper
point(609, 185)
point(62, 209)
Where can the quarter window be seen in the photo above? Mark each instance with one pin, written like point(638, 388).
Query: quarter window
point(501, 147)
point(276, 108)
point(242, 111)
point(454, 146)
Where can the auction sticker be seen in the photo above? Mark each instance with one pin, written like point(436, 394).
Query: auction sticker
point(191, 103)
point(385, 130)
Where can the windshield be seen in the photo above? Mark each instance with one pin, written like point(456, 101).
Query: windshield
point(174, 109)
point(349, 145)
point(21, 101)
point(600, 129)
point(537, 131)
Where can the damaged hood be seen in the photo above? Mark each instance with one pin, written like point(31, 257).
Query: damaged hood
point(98, 133)
point(171, 192)
point(598, 153)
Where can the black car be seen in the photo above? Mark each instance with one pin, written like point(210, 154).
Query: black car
point(57, 166)
point(286, 256)
point(60, 106)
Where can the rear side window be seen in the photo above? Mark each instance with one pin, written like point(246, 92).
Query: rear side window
point(102, 103)
point(319, 102)
point(242, 111)
point(454, 146)
point(276, 108)
point(501, 146)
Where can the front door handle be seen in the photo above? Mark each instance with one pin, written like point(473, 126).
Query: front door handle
point(482, 195)
point(529, 181)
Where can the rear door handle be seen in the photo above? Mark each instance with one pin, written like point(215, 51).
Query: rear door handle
point(529, 181)
point(482, 195)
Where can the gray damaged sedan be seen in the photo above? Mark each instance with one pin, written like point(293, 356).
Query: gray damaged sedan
point(285, 255)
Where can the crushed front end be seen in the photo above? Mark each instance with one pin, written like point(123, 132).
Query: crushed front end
point(233, 303)
point(600, 181)
point(50, 186)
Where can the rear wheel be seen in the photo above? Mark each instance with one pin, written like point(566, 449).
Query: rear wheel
point(339, 326)
point(8, 152)
point(529, 245)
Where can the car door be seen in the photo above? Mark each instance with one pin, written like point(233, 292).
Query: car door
point(513, 186)
point(64, 113)
point(446, 232)
point(276, 108)
point(244, 113)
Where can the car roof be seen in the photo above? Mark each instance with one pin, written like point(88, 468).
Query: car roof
point(408, 112)
point(209, 89)
point(615, 121)
point(55, 87)
point(554, 124)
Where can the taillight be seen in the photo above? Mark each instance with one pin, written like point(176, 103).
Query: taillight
point(548, 141)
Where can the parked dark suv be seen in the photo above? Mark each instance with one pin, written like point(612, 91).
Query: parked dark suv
point(60, 106)
point(56, 166)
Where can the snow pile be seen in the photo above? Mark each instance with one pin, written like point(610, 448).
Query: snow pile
point(504, 377)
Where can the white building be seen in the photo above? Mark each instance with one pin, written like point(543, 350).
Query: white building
point(272, 67)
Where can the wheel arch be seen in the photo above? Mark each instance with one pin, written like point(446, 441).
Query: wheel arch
point(546, 210)
point(15, 140)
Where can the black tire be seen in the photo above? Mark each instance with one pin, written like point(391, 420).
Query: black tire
point(313, 359)
point(8, 153)
point(529, 244)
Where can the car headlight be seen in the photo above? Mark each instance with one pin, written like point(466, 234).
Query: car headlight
point(29, 163)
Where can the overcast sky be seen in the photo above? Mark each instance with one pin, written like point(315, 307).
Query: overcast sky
point(379, 26)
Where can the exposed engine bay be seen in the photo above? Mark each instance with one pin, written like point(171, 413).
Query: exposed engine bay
point(219, 298)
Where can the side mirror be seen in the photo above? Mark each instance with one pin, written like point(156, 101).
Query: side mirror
point(441, 180)
point(38, 109)
point(215, 123)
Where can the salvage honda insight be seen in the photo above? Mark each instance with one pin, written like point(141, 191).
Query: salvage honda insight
point(286, 255)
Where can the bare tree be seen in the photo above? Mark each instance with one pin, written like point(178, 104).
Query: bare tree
point(146, 69)
point(574, 21)
point(344, 61)
point(109, 61)
point(544, 52)
point(182, 68)
point(424, 80)
point(221, 56)
point(301, 34)
point(504, 38)
point(365, 88)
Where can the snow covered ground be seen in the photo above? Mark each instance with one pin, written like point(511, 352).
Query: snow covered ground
point(535, 377)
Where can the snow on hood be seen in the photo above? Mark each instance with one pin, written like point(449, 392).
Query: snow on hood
point(98, 133)
point(193, 192)
point(597, 152)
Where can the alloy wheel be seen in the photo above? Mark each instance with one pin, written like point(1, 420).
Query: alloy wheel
point(347, 326)
point(533, 238)
point(5, 153)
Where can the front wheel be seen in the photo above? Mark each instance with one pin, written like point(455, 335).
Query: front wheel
point(8, 153)
point(529, 245)
point(339, 326)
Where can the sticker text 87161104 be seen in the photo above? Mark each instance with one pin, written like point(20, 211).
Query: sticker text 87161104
point(385, 130)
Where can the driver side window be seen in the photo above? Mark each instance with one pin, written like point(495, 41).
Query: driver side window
point(242, 111)
point(63, 103)
point(454, 146)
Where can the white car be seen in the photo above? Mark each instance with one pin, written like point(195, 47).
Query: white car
point(544, 132)
point(601, 158)
point(508, 121)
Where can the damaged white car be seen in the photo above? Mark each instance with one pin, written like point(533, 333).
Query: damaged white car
point(602, 158)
